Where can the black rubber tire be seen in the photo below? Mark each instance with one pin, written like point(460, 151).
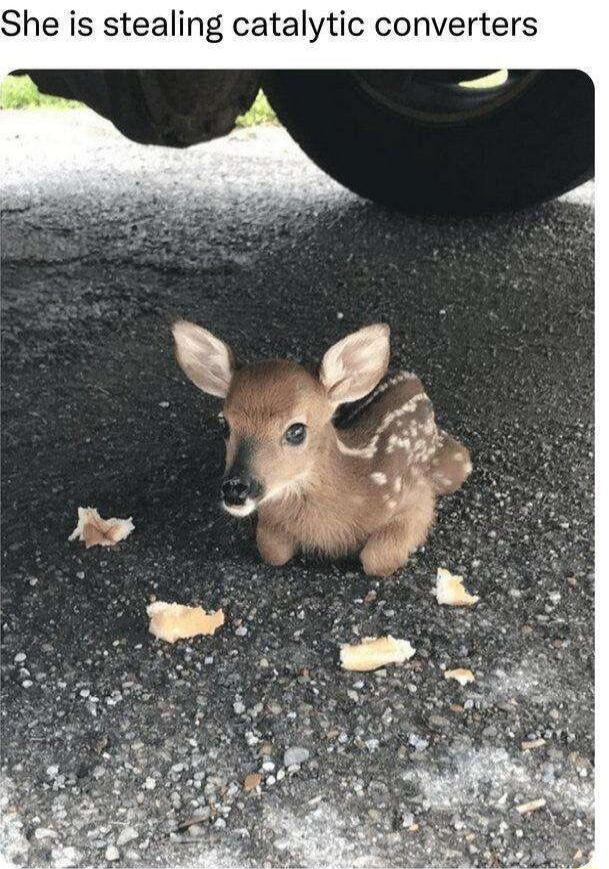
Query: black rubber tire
point(534, 147)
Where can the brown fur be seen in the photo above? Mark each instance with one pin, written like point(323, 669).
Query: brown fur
point(370, 488)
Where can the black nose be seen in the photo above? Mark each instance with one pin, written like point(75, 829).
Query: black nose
point(235, 491)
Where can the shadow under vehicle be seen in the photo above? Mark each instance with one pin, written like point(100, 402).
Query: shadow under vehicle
point(427, 142)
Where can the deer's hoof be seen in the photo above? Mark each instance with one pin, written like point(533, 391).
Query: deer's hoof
point(275, 553)
point(377, 564)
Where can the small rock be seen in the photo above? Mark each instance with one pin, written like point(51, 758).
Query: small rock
point(438, 722)
point(44, 833)
point(63, 858)
point(112, 853)
point(296, 756)
point(127, 834)
point(252, 780)
point(387, 717)
point(417, 742)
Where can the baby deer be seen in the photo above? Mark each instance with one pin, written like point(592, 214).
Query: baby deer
point(370, 487)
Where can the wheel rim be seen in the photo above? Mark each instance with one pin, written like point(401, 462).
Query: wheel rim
point(444, 97)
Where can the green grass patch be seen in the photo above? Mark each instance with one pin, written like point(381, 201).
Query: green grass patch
point(259, 113)
point(20, 92)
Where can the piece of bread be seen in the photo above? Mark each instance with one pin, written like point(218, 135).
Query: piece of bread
point(95, 531)
point(174, 621)
point(461, 675)
point(450, 590)
point(374, 652)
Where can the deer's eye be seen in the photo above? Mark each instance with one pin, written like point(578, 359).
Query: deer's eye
point(295, 434)
point(224, 426)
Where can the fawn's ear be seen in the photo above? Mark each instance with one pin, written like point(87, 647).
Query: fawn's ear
point(206, 360)
point(354, 366)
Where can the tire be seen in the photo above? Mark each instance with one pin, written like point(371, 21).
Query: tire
point(531, 147)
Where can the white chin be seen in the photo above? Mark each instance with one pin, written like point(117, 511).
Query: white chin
point(241, 510)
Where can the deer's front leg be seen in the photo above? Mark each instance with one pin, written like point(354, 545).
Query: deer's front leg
point(391, 546)
point(274, 545)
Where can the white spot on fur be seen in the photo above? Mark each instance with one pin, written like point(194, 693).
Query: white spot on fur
point(379, 478)
point(397, 484)
point(241, 510)
point(443, 480)
point(382, 387)
point(367, 452)
point(290, 487)
point(392, 504)
point(370, 449)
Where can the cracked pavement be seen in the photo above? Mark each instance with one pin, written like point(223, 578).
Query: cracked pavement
point(119, 749)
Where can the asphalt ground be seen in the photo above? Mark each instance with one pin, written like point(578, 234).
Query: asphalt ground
point(111, 739)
